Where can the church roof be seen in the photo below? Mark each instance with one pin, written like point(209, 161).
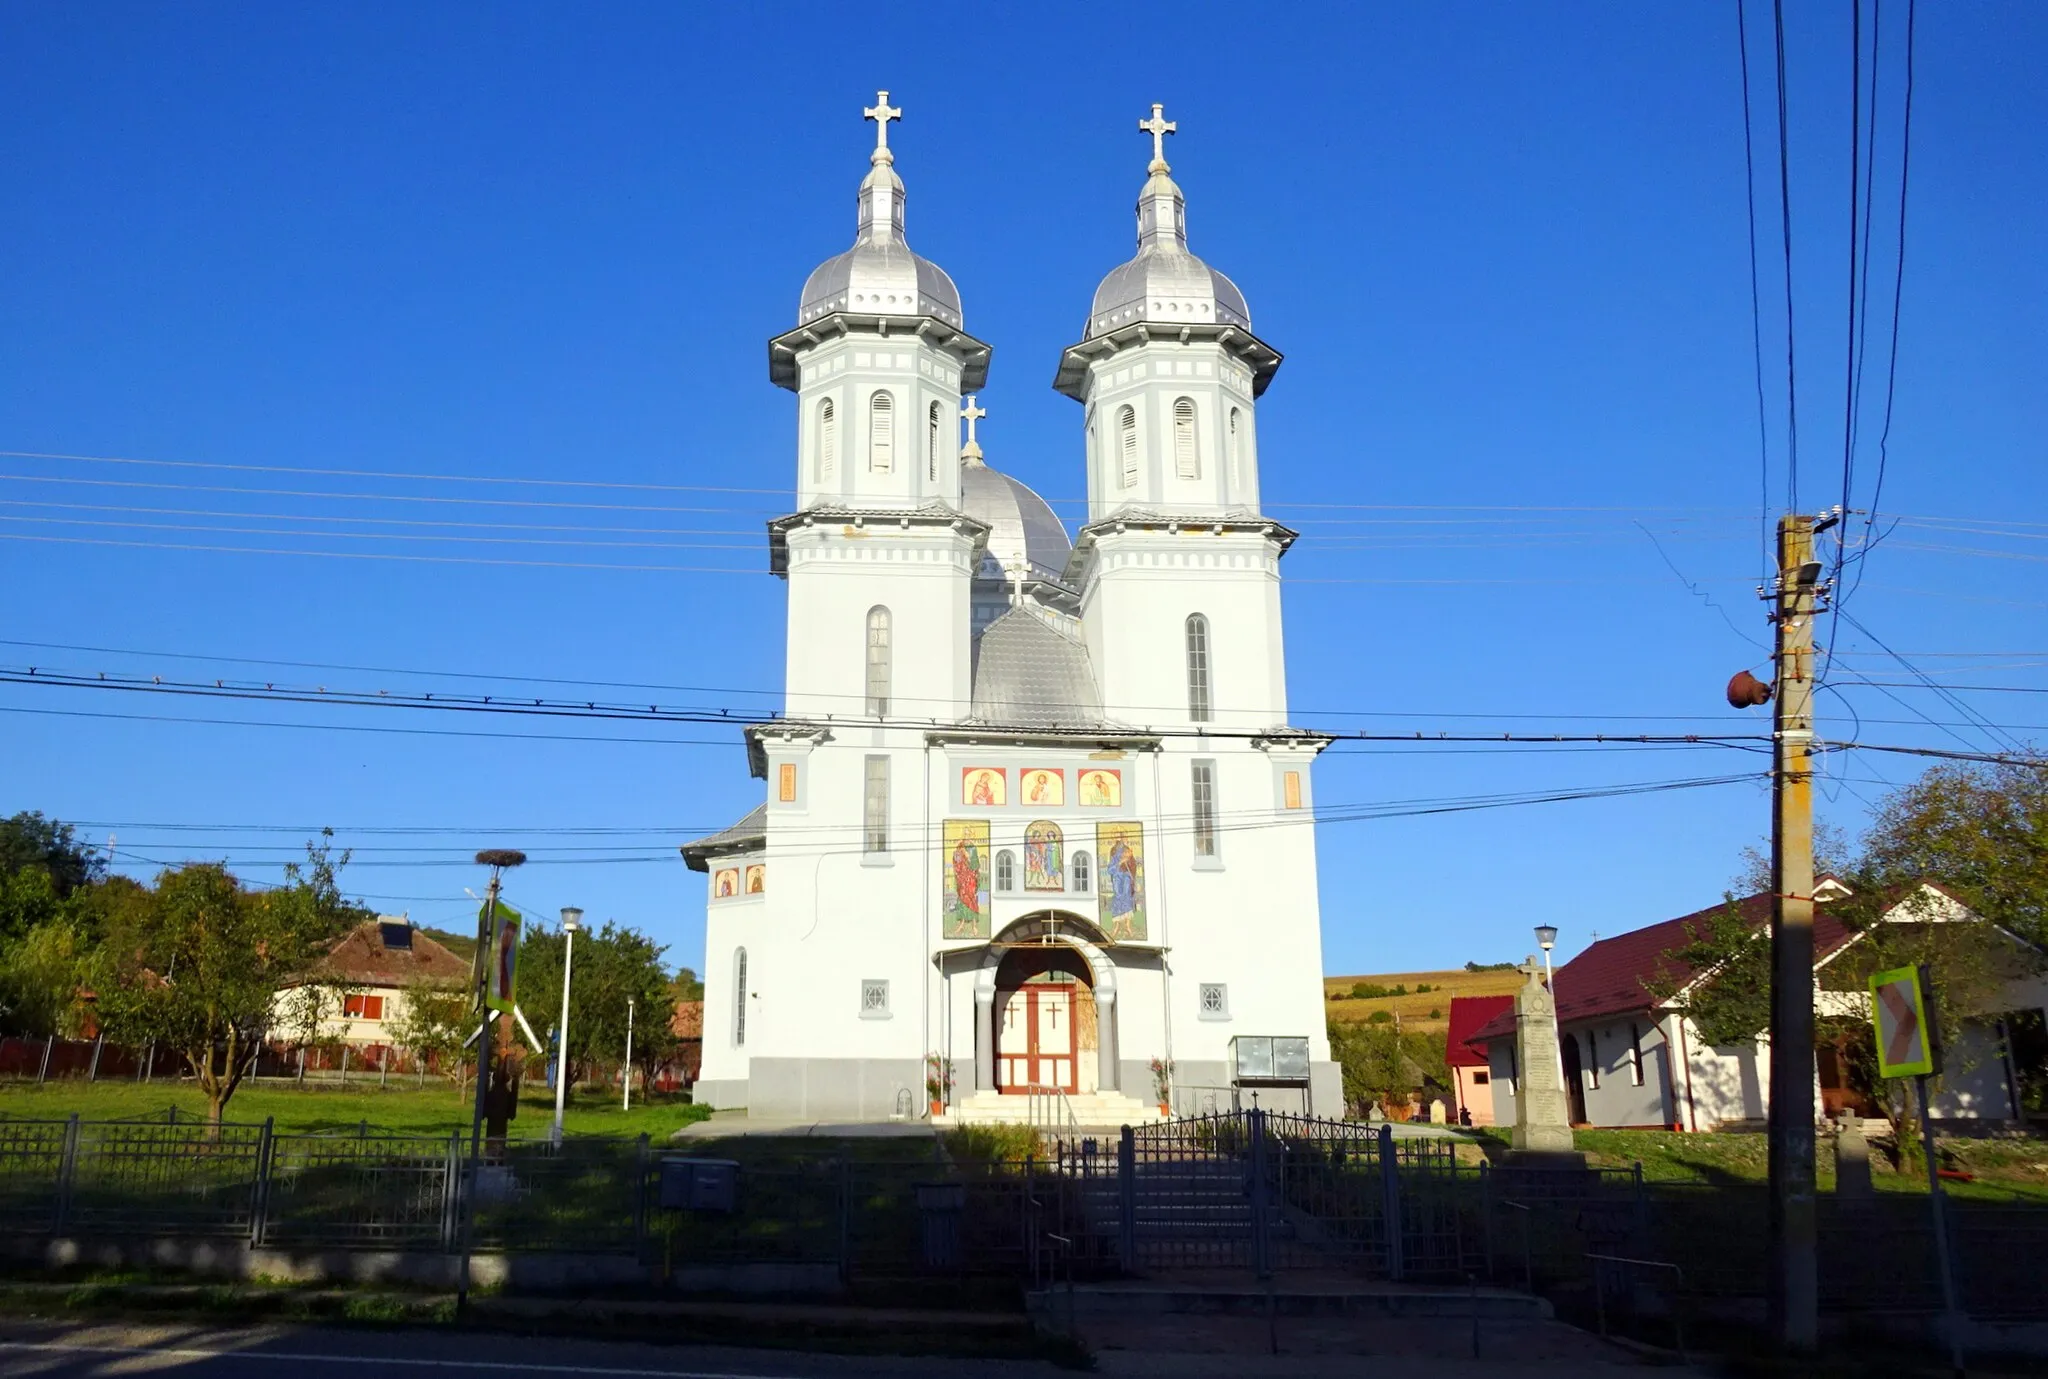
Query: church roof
point(1028, 675)
point(1022, 528)
point(880, 275)
point(749, 833)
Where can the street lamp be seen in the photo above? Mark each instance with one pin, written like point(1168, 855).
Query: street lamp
point(1546, 938)
point(572, 920)
point(628, 1079)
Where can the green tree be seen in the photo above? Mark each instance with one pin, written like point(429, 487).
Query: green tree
point(200, 965)
point(435, 1021)
point(28, 840)
point(612, 964)
point(1981, 831)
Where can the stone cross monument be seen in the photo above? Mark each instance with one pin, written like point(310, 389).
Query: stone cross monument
point(1542, 1121)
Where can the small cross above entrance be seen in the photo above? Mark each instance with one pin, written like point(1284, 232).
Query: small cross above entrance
point(881, 112)
point(1158, 127)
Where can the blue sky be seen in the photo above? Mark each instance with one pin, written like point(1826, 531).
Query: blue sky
point(1504, 249)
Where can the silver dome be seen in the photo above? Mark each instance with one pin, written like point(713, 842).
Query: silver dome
point(1022, 528)
point(879, 275)
point(1165, 282)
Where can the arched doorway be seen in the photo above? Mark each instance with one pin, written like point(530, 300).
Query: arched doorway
point(1050, 967)
point(1047, 1030)
point(1574, 1078)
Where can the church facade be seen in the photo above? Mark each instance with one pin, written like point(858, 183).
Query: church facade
point(1034, 817)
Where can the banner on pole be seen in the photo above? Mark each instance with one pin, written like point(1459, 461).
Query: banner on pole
point(501, 979)
point(1902, 1008)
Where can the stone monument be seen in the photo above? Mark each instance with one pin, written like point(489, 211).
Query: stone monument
point(1542, 1120)
point(1852, 1160)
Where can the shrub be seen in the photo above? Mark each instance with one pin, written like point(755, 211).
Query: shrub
point(991, 1142)
point(1436, 1013)
point(1380, 1017)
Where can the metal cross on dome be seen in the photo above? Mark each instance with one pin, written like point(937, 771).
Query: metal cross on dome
point(1158, 127)
point(881, 112)
point(971, 414)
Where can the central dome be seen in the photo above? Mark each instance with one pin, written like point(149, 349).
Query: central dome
point(1022, 529)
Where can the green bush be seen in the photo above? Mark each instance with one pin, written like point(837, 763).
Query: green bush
point(1380, 1017)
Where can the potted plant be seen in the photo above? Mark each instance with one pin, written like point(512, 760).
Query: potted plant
point(1162, 1084)
point(938, 1081)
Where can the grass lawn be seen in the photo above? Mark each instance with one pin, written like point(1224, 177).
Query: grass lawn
point(434, 1110)
point(2005, 1169)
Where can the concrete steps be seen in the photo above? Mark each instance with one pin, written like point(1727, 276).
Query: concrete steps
point(1091, 1111)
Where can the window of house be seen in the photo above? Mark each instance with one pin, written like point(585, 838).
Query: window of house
point(1006, 871)
point(1479, 1078)
point(875, 807)
point(881, 433)
point(878, 662)
point(1078, 870)
point(828, 440)
point(739, 998)
point(874, 1000)
point(1635, 1054)
point(363, 1007)
point(1205, 808)
point(1187, 462)
point(1213, 1001)
point(1199, 705)
point(1235, 441)
point(931, 441)
point(1127, 441)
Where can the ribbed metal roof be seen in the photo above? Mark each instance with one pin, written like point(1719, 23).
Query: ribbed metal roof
point(1022, 528)
point(1028, 675)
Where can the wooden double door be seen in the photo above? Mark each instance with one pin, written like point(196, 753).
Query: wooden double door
point(1037, 1037)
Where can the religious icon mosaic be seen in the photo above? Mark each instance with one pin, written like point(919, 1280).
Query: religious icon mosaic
point(1042, 786)
point(1120, 858)
point(964, 871)
point(1045, 862)
point(757, 878)
point(984, 785)
point(725, 882)
point(1101, 788)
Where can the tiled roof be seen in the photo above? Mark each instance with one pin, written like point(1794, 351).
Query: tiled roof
point(360, 956)
point(1468, 1014)
point(1610, 977)
point(1026, 675)
point(749, 832)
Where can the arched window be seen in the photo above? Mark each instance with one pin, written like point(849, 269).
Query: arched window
point(931, 441)
point(828, 440)
point(1079, 872)
point(739, 998)
point(1006, 870)
point(1186, 462)
point(1199, 704)
point(881, 433)
point(878, 662)
point(1236, 447)
point(1127, 440)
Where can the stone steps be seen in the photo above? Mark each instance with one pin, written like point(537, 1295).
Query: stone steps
point(1090, 1110)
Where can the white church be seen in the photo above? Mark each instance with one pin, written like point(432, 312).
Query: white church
point(1034, 818)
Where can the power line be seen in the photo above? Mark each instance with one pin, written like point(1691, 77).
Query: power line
point(1785, 216)
point(1756, 339)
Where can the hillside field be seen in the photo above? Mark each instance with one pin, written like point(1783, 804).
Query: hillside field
point(1414, 1008)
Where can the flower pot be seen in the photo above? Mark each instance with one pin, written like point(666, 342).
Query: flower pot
point(1166, 1109)
point(938, 1108)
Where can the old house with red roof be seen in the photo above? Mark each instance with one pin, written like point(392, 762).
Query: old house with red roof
point(370, 970)
point(1632, 1059)
point(1471, 1077)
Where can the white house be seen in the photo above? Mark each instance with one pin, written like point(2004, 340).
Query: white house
point(365, 979)
point(1033, 807)
point(1633, 1060)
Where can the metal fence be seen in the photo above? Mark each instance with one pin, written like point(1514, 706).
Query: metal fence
point(1253, 1191)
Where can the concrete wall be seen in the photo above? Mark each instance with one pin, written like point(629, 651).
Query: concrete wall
point(851, 1089)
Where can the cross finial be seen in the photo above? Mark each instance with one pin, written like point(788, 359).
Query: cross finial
point(1158, 127)
point(881, 112)
point(971, 414)
point(1017, 585)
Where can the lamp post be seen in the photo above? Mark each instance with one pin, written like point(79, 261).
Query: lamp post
point(1546, 938)
point(628, 1078)
point(572, 920)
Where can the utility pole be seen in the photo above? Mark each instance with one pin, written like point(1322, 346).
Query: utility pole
point(497, 859)
point(1795, 1286)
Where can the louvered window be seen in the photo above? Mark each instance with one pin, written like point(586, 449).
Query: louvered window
point(1200, 707)
point(881, 434)
point(1127, 438)
point(931, 441)
point(878, 662)
point(739, 998)
point(828, 440)
point(1236, 447)
point(1186, 462)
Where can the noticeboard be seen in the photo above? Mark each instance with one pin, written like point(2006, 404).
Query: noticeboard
point(1902, 1009)
point(1269, 1058)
